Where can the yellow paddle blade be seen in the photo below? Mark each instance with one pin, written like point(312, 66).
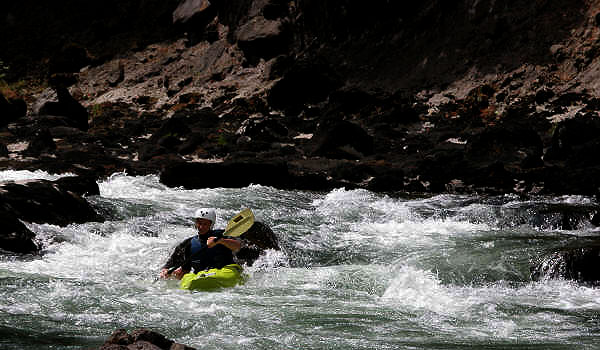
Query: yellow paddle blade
point(240, 223)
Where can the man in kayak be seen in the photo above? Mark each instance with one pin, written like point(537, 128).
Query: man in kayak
point(209, 249)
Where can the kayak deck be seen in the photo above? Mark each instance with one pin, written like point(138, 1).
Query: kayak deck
point(226, 277)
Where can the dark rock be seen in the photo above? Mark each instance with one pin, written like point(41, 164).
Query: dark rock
point(68, 107)
point(81, 185)
point(226, 174)
point(543, 95)
point(387, 179)
point(352, 172)
point(140, 339)
point(117, 76)
point(574, 263)
point(3, 150)
point(66, 132)
point(304, 83)
point(261, 236)
point(191, 143)
point(187, 9)
point(262, 38)
point(257, 239)
point(42, 142)
point(11, 109)
point(576, 140)
point(197, 118)
point(176, 126)
point(148, 151)
point(70, 59)
point(14, 235)
point(341, 140)
point(121, 337)
point(275, 9)
point(277, 66)
point(151, 337)
point(42, 201)
point(265, 129)
point(511, 143)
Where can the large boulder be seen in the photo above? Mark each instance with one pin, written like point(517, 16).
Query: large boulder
point(257, 239)
point(43, 201)
point(262, 38)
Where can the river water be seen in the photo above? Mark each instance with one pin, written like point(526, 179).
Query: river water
point(358, 270)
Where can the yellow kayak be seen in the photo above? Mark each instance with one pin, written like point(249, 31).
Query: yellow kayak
point(226, 277)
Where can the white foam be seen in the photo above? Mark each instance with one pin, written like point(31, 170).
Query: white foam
point(22, 175)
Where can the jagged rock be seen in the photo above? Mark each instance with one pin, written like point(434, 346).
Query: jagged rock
point(140, 339)
point(265, 129)
point(43, 201)
point(187, 9)
point(262, 38)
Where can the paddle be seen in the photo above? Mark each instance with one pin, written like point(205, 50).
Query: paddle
point(236, 227)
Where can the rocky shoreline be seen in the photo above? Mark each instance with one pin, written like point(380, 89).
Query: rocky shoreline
point(472, 97)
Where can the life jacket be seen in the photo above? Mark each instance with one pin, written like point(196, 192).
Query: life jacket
point(204, 258)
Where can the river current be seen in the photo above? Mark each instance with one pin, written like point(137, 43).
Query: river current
point(357, 270)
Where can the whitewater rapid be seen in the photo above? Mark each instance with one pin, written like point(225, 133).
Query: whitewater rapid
point(357, 270)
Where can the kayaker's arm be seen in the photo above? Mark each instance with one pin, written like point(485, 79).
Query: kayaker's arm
point(231, 243)
point(177, 258)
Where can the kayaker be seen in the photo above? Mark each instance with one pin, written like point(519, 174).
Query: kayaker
point(208, 249)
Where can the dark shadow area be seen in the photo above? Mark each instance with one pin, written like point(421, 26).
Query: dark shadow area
point(406, 44)
point(33, 33)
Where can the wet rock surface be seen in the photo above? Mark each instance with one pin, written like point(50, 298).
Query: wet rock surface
point(141, 338)
point(58, 202)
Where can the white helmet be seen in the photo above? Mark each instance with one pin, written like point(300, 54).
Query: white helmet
point(208, 214)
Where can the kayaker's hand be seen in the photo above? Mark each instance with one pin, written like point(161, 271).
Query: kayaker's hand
point(164, 273)
point(211, 242)
point(178, 273)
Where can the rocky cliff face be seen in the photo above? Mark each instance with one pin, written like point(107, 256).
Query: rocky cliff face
point(415, 96)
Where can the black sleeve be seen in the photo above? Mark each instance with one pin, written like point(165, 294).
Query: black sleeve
point(179, 255)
